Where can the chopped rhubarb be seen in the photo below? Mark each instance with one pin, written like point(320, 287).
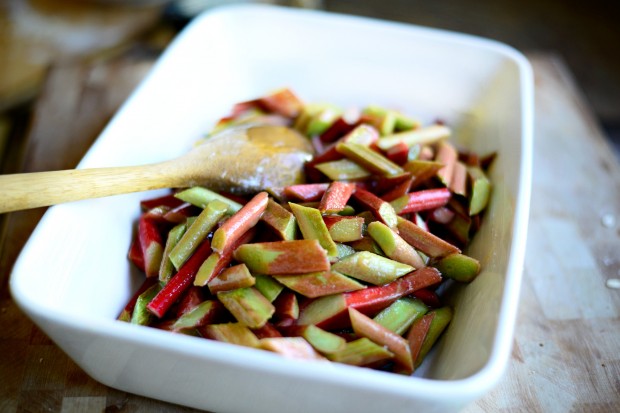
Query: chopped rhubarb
point(364, 326)
point(421, 200)
point(244, 219)
point(361, 352)
point(182, 280)
point(336, 197)
point(395, 247)
point(280, 220)
point(305, 192)
point(381, 209)
point(344, 228)
point(422, 135)
point(248, 306)
point(369, 159)
point(371, 268)
point(152, 245)
point(429, 244)
point(311, 224)
point(399, 316)
point(417, 333)
point(459, 267)
point(447, 155)
point(233, 333)
point(237, 276)
point(283, 257)
point(290, 347)
point(283, 102)
point(317, 284)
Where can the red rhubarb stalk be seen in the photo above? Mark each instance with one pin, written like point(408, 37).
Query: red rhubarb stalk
point(180, 282)
point(422, 200)
point(152, 245)
point(244, 219)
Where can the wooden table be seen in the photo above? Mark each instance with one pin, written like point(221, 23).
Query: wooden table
point(566, 354)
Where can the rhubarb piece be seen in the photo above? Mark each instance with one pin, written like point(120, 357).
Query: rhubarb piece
point(305, 192)
point(343, 170)
point(135, 254)
point(369, 159)
point(366, 244)
point(399, 153)
point(233, 333)
point(336, 197)
point(318, 284)
point(422, 200)
point(168, 200)
point(200, 197)
point(371, 268)
point(384, 120)
point(197, 232)
point(216, 262)
point(283, 257)
point(344, 228)
point(287, 306)
point(401, 314)
point(125, 315)
point(320, 121)
point(207, 312)
point(181, 213)
point(365, 327)
point(480, 190)
point(458, 183)
point(429, 244)
point(429, 297)
point(344, 250)
point(394, 246)
point(381, 209)
point(266, 331)
point(190, 299)
point(166, 269)
point(152, 245)
point(361, 352)
point(336, 130)
point(283, 102)
point(268, 286)
point(248, 306)
point(290, 347)
point(237, 276)
point(330, 312)
point(323, 341)
point(423, 135)
point(398, 190)
point(441, 319)
point(140, 315)
point(417, 333)
point(422, 170)
point(448, 156)
point(179, 282)
point(280, 220)
point(459, 267)
point(238, 224)
point(313, 227)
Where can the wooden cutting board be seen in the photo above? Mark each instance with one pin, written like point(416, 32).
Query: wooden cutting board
point(566, 354)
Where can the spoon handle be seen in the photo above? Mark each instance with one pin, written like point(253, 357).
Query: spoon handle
point(38, 189)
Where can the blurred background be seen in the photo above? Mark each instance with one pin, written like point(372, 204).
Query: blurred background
point(37, 36)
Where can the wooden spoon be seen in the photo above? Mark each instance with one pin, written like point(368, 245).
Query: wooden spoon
point(240, 160)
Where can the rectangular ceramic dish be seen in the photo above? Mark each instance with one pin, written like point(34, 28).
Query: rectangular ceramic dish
point(73, 277)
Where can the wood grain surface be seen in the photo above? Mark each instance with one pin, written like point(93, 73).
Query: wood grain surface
point(566, 354)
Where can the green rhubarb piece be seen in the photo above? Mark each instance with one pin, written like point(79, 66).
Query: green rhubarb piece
point(480, 190)
point(323, 341)
point(312, 226)
point(383, 119)
point(196, 316)
point(283, 257)
point(290, 347)
point(237, 276)
point(393, 245)
point(401, 314)
point(372, 268)
point(280, 220)
point(320, 121)
point(345, 229)
point(268, 286)
point(441, 319)
point(368, 158)
point(459, 267)
point(344, 250)
point(319, 284)
point(423, 135)
point(248, 306)
point(167, 269)
point(197, 232)
point(141, 315)
point(361, 352)
point(348, 210)
point(233, 333)
point(367, 244)
point(422, 170)
point(208, 268)
point(343, 170)
point(200, 197)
